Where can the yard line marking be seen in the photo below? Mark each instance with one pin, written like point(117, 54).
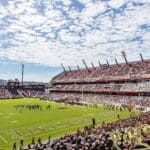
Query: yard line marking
point(3, 139)
point(61, 129)
point(14, 121)
point(15, 134)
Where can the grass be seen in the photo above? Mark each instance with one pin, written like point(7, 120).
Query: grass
point(54, 122)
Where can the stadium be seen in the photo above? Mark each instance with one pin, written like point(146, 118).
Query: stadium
point(104, 107)
point(74, 74)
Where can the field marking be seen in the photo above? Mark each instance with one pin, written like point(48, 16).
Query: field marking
point(11, 114)
point(14, 121)
point(59, 129)
point(7, 116)
point(53, 124)
point(3, 139)
point(14, 134)
point(18, 133)
point(56, 124)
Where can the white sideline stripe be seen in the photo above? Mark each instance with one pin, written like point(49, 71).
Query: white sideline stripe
point(3, 139)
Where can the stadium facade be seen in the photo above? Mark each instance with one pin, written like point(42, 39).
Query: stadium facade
point(120, 84)
point(127, 83)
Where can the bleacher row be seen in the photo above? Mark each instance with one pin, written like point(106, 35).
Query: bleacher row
point(136, 101)
point(122, 71)
point(116, 84)
point(135, 130)
point(115, 87)
point(19, 93)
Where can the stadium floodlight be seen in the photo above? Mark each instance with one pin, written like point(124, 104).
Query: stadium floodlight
point(124, 56)
point(22, 73)
point(69, 68)
point(63, 68)
point(107, 62)
point(116, 61)
point(92, 65)
point(78, 67)
point(99, 63)
point(142, 59)
point(85, 65)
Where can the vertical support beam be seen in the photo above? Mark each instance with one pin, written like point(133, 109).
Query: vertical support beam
point(99, 63)
point(85, 65)
point(92, 65)
point(142, 59)
point(124, 56)
point(78, 67)
point(116, 61)
point(107, 62)
point(63, 68)
point(69, 68)
point(22, 74)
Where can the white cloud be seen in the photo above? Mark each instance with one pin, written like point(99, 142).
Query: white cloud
point(66, 2)
point(92, 10)
point(116, 3)
point(65, 34)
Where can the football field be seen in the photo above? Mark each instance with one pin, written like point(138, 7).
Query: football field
point(17, 121)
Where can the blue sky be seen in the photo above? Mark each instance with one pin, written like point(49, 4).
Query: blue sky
point(32, 72)
point(42, 34)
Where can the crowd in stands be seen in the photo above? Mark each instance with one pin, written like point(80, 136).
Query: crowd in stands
point(83, 85)
point(19, 93)
point(16, 89)
point(121, 71)
point(106, 87)
point(118, 100)
point(4, 93)
point(123, 134)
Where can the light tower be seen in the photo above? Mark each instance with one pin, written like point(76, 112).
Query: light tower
point(22, 73)
point(92, 65)
point(85, 65)
point(107, 62)
point(124, 56)
point(99, 64)
point(116, 61)
point(69, 68)
point(142, 59)
point(63, 68)
point(78, 67)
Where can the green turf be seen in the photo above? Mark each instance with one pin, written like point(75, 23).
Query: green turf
point(54, 122)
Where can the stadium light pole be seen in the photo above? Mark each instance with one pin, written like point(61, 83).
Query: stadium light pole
point(116, 61)
point(22, 73)
point(124, 56)
point(142, 59)
point(107, 62)
point(69, 68)
point(92, 65)
point(85, 65)
point(99, 64)
point(63, 68)
point(78, 67)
